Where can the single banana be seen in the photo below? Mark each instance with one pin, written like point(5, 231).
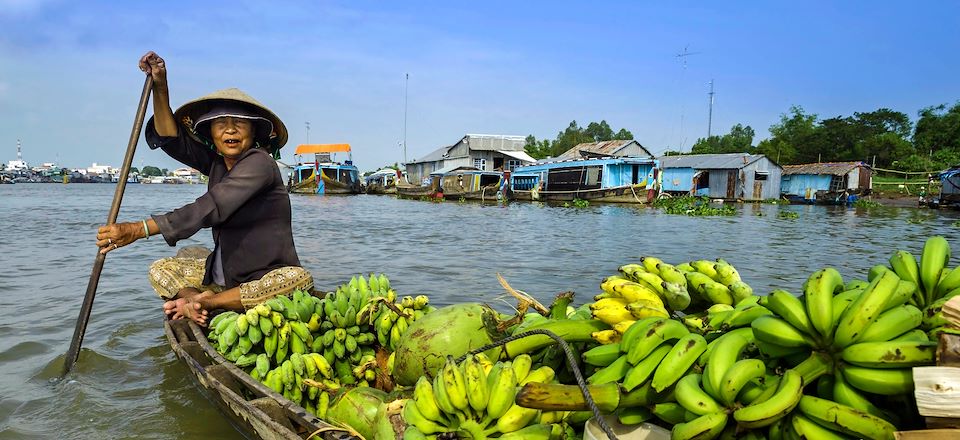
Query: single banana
point(602, 355)
point(791, 309)
point(935, 256)
point(503, 390)
point(412, 415)
point(637, 329)
point(904, 292)
point(845, 394)
point(912, 335)
point(841, 301)
point(737, 377)
point(691, 396)
point(521, 366)
point(724, 354)
point(656, 334)
point(780, 404)
point(777, 331)
point(680, 358)
point(516, 418)
point(633, 416)
point(539, 431)
point(741, 291)
point(744, 317)
point(611, 373)
point(544, 374)
point(643, 369)
point(865, 309)
point(818, 297)
point(905, 265)
point(879, 381)
point(455, 385)
point(707, 426)
point(717, 293)
point(892, 323)
point(423, 398)
point(895, 354)
point(650, 264)
point(948, 282)
point(726, 273)
point(670, 412)
point(845, 419)
point(676, 296)
point(476, 382)
point(671, 274)
point(808, 429)
point(443, 401)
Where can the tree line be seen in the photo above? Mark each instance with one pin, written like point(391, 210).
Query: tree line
point(884, 138)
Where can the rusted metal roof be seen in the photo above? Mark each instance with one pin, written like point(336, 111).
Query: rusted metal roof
point(598, 149)
point(826, 168)
point(725, 161)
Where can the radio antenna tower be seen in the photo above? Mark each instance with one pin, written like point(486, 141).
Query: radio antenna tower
point(710, 117)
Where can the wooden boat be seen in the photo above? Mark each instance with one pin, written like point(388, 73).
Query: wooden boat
point(323, 175)
point(382, 182)
point(251, 406)
point(408, 191)
point(472, 184)
point(609, 179)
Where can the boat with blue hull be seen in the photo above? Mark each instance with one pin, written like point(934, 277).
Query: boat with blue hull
point(607, 179)
point(324, 175)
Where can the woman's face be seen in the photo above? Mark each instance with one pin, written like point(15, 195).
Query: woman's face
point(232, 136)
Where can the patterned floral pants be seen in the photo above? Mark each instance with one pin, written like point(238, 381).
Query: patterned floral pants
point(169, 275)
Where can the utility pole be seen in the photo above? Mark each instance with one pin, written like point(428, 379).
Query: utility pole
point(682, 56)
point(406, 85)
point(308, 130)
point(710, 117)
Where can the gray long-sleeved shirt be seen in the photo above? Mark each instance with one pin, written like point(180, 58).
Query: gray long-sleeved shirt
point(247, 208)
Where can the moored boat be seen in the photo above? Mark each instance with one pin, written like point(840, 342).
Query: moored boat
point(429, 188)
point(251, 406)
point(608, 179)
point(324, 175)
point(472, 184)
point(382, 182)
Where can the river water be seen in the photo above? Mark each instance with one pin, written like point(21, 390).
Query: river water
point(129, 384)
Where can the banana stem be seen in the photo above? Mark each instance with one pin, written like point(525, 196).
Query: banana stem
point(567, 329)
point(813, 367)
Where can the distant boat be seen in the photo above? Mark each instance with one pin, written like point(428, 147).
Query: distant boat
point(606, 179)
point(382, 182)
point(323, 175)
point(470, 183)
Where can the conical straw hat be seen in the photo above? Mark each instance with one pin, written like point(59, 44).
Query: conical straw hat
point(188, 113)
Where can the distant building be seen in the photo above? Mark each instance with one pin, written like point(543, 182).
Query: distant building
point(732, 176)
point(823, 182)
point(103, 172)
point(485, 152)
point(187, 175)
point(19, 164)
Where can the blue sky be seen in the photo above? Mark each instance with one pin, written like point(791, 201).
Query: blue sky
point(69, 82)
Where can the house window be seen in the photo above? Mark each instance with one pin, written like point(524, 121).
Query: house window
point(760, 175)
point(511, 164)
point(480, 164)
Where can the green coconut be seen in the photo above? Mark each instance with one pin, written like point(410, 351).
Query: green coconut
point(358, 409)
point(448, 331)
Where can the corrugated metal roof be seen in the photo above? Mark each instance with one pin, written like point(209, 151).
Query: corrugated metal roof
point(828, 168)
point(433, 156)
point(521, 155)
point(710, 161)
point(598, 149)
point(494, 142)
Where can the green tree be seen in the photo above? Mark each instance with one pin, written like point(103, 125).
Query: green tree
point(151, 171)
point(739, 140)
point(937, 129)
point(165, 172)
point(572, 136)
point(790, 140)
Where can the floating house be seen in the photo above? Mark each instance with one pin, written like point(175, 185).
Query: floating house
point(609, 179)
point(731, 176)
point(826, 183)
point(324, 175)
point(949, 187)
point(484, 152)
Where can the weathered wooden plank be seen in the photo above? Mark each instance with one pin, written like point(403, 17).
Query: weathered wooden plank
point(937, 390)
point(927, 434)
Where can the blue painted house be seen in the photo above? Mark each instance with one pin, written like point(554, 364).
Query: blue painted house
point(730, 176)
point(950, 187)
point(826, 183)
